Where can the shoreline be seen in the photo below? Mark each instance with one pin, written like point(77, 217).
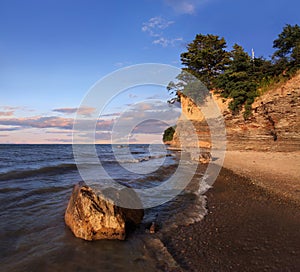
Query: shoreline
point(247, 228)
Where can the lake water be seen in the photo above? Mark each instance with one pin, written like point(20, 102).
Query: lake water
point(36, 182)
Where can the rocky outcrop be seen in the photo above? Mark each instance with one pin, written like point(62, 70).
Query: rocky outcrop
point(193, 114)
point(91, 216)
point(274, 124)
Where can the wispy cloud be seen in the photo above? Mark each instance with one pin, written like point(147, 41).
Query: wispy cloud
point(105, 125)
point(140, 117)
point(82, 111)
point(98, 135)
point(155, 96)
point(59, 140)
point(39, 122)
point(145, 118)
point(66, 110)
point(66, 132)
point(150, 127)
point(122, 64)
point(155, 28)
point(114, 114)
point(9, 128)
point(166, 42)
point(132, 95)
point(184, 6)
point(9, 108)
point(61, 123)
point(15, 108)
point(6, 113)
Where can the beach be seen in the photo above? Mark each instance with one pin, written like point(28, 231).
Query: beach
point(253, 218)
point(278, 172)
point(240, 226)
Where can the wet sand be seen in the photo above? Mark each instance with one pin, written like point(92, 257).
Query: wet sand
point(247, 228)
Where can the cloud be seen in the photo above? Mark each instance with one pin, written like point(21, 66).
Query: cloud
point(122, 64)
point(166, 42)
point(132, 95)
point(39, 122)
point(59, 131)
point(147, 118)
point(15, 108)
point(155, 96)
point(162, 41)
point(99, 135)
point(9, 128)
point(105, 125)
point(155, 28)
point(11, 108)
point(66, 110)
point(140, 117)
point(155, 25)
point(114, 114)
point(59, 140)
point(154, 109)
point(3, 135)
point(150, 127)
point(86, 111)
point(184, 6)
point(6, 113)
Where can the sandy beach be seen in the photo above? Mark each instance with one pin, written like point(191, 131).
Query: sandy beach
point(278, 172)
point(253, 218)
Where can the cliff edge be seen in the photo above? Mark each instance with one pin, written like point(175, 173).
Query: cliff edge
point(273, 126)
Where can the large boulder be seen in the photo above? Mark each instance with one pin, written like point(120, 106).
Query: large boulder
point(92, 216)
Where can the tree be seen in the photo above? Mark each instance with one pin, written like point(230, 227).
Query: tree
point(206, 58)
point(188, 85)
point(237, 83)
point(168, 134)
point(287, 54)
point(234, 74)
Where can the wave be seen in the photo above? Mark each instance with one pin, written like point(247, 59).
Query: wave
point(143, 159)
point(55, 169)
point(11, 190)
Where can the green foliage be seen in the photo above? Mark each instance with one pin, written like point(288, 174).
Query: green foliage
point(239, 81)
point(234, 74)
point(168, 134)
point(287, 54)
point(190, 86)
point(206, 58)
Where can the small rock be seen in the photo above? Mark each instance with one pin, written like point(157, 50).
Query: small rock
point(153, 228)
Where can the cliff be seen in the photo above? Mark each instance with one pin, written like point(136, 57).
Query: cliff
point(191, 112)
point(273, 126)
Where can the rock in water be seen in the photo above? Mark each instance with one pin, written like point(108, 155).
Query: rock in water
point(152, 228)
point(205, 157)
point(91, 216)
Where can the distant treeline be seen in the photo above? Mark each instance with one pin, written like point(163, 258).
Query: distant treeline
point(237, 75)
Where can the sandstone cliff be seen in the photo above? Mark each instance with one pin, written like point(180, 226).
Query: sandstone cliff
point(274, 124)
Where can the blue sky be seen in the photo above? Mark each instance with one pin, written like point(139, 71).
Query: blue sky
point(52, 52)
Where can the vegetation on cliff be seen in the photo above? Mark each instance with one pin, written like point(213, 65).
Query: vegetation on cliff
point(206, 58)
point(168, 134)
point(235, 74)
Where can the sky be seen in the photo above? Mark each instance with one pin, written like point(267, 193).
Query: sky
point(53, 51)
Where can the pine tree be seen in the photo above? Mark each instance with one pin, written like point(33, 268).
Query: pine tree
point(206, 58)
